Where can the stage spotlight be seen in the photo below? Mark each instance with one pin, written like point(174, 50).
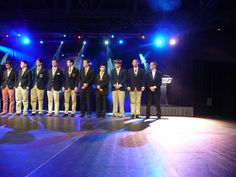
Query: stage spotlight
point(64, 35)
point(121, 41)
point(143, 37)
point(84, 42)
point(19, 35)
point(62, 55)
point(25, 40)
point(159, 41)
point(79, 37)
point(7, 35)
point(106, 42)
point(172, 41)
point(112, 36)
point(41, 42)
point(62, 42)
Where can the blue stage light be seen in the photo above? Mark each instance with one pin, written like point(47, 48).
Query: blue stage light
point(112, 36)
point(41, 42)
point(160, 41)
point(84, 42)
point(62, 42)
point(25, 40)
point(106, 42)
point(121, 41)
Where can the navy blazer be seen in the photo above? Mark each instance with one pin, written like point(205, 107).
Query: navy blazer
point(120, 79)
point(9, 81)
point(40, 79)
point(136, 81)
point(56, 81)
point(25, 79)
point(104, 82)
point(156, 81)
point(71, 81)
point(86, 79)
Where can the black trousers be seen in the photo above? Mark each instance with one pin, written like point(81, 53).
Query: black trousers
point(85, 99)
point(153, 97)
point(101, 104)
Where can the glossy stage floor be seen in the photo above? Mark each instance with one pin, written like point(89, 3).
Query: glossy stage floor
point(74, 147)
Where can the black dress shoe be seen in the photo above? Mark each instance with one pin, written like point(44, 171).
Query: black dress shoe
point(65, 115)
point(132, 116)
point(72, 115)
point(147, 117)
point(81, 115)
point(40, 114)
point(89, 115)
point(158, 116)
point(33, 114)
point(137, 117)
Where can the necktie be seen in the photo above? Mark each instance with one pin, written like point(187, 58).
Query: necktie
point(135, 71)
point(38, 69)
point(86, 71)
point(101, 75)
point(8, 73)
point(53, 72)
point(118, 71)
point(70, 71)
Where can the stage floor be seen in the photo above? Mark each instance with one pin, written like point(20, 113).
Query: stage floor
point(74, 147)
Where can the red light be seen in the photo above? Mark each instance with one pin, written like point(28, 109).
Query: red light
point(79, 37)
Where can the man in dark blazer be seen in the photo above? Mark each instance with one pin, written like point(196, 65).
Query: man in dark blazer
point(86, 80)
point(54, 85)
point(8, 91)
point(153, 84)
point(102, 82)
point(37, 91)
point(118, 83)
point(23, 82)
point(70, 87)
point(135, 86)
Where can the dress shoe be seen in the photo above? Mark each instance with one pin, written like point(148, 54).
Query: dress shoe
point(17, 114)
point(40, 114)
point(65, 115)
point(33, 114)
point(3, 113)
point(132, 116)
point(72, 115)
point(48, 114)
point(25, 114)
point(137, 116)
point(55, 115)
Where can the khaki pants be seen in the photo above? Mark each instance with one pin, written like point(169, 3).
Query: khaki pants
point(53, 96)
point(135, 102)
point(70, 93)
point(22, 96)
point(37, 95)
point(118, 97)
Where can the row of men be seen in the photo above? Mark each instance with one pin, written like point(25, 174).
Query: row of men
point(17, 84)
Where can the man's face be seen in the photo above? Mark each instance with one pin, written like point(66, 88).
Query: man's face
point(69, 63)
point(135, 63)
point(152, 66)
point(38, 63)
point(22, 65)
point(85, 63)
point(117, 65)
point(102, 68)
point(54, 63)
point(8, 66)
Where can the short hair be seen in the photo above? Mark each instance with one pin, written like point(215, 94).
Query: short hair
point(24, 61)
point(54, 60)
point(136, 59)
point(102, 65)
point(87, 60)
point(8, 63)
point(71, 60)
point(154, 62)
point(40, 60)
